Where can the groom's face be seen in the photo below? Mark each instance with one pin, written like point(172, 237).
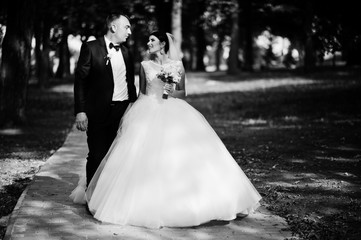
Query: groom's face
point(121, 29)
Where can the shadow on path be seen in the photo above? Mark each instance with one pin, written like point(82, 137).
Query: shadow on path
point(44, 210)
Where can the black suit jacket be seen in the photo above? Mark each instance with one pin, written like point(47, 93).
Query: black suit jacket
point(94, 84)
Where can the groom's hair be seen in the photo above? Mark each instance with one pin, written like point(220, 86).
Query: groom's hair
point(113, 16)
point(162, 36)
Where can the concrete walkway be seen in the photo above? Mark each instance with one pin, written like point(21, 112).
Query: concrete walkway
point(44, 210)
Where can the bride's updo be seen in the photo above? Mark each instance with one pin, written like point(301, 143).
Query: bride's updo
point(162, 36)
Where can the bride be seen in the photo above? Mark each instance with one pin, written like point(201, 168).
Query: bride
point(167, 166)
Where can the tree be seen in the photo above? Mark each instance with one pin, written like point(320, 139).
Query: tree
point(177, 23)
point(42, 29)
point(220, 19)
point(15, 65)
point(64, 30)
point(63, 70)
point(336, 29)
point(144, 22)
point(233, 52)
point(163, 10)
point(248, 34)
point(310, 56)
point(194, 47)
point(201, 43)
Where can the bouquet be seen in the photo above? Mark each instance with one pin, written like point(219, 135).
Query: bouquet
point(170, 74)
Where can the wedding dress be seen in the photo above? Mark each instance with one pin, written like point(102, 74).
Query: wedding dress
point(167, 167)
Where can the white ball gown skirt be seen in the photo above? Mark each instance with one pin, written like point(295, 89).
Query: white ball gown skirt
point(167, 167)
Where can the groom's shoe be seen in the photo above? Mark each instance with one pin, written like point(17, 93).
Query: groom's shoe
point(87, 209)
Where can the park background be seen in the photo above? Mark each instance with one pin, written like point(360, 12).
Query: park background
point(278, 80)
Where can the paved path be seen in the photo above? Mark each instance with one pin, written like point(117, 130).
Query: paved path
point(44, 210)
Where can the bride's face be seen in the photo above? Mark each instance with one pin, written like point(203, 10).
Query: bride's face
point(154, 45)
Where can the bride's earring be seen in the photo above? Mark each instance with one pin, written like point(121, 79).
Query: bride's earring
point(162, 52)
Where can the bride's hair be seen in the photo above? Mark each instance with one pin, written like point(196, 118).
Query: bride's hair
point(169, 47)
point(162, 36)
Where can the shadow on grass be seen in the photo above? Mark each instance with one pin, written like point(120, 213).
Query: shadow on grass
point(321, 73)
point(49, 120)
point(300, 147)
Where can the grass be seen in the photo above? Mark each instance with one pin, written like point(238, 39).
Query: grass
point(299, 144)
point(25, 149)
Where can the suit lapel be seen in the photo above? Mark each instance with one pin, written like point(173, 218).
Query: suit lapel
point(104, 54)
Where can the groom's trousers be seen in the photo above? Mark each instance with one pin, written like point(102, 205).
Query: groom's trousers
point(100, 137)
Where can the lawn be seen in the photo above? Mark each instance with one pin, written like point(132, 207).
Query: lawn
point(297, 137)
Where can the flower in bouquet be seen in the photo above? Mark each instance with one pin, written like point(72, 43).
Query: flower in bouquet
point(170, 74)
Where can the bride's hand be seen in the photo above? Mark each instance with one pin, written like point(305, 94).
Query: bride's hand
point(169, 87)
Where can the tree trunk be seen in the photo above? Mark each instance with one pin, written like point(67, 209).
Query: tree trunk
point(42, 49)
point(63, 70)
point(219, 51)
point(46, 70)
point(177, 24)
point(163, 8)
point(248, 51)
point(200, 40)
point(38, 28)
point(15, 65)
point(352, 51)
point(200, 49)
point(233, 52)
point(310, 56)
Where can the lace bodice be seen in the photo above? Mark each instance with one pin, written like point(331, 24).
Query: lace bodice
point(154, 84)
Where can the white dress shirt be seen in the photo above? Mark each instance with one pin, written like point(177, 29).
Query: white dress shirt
point(120, 92)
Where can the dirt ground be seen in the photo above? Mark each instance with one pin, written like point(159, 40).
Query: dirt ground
point(297, 137)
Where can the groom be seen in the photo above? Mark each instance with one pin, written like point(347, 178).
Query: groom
point(103, 88)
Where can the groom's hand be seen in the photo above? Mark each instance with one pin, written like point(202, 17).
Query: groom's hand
point(81, 121)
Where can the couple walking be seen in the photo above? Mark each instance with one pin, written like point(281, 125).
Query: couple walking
point(153, 161)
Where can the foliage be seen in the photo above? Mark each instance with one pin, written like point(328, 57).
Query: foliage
point(217, 19)
point(315, 27)
point(331, 22)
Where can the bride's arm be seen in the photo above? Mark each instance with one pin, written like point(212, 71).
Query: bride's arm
point(142, 81)
point(180, 90)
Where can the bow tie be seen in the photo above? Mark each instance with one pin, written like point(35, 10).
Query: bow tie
point(116, 47)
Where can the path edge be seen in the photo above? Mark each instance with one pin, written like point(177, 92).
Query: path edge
point(14, 214)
